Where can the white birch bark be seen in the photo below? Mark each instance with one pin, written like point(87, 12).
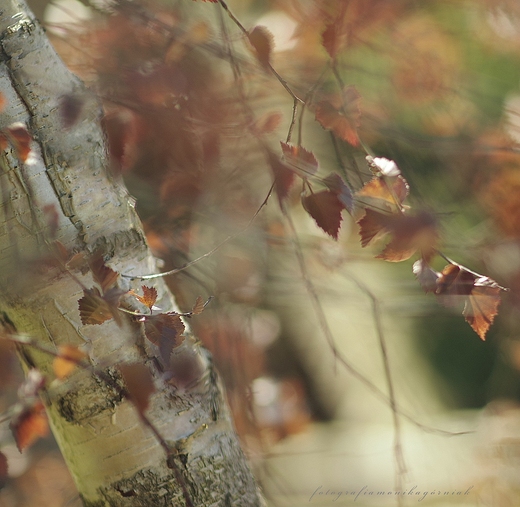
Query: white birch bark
point(114, 459)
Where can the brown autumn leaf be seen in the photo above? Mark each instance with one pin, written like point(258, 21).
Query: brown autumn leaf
point(29, 425)
point(149, 296)
point(283, 177)
point(104, 276)
point(139, 384)
point(20, 139)
point(325, 208)
point(162, 327)
point(4, 470)
point(456, 284)
point(341, 115)
point(384, 193)
point(164, 331)
point(93, 309)
point(262, 41)
point(3, 102)
point(302, 161)
point(409, 233)
point(66, 362)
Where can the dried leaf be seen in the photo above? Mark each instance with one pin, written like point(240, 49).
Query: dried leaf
point(29, 425)
point(139, 384)
point(325, 208)
point(262, 41)
point(20, 139)
point(341, 115)
point(2, 102)
point(66, 362)
point(93, 309)
point(149, 296)
point(384, 194)
point(481, 295)
point(283, 177)
point(302, 161)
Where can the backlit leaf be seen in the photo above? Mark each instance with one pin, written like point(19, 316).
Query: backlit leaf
point(456, 285)
point(149, 296)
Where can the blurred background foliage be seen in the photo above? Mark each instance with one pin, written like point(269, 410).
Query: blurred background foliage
point(190, 112)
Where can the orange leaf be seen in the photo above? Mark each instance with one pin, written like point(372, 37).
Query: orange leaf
point(29, 425)
point(262, 40)
point(481, 308)
point(93, 309)
point(68, 359)
point(304, 162)
point(325, 208)
point(2, 102)
point(149, 296)
point(139, 384)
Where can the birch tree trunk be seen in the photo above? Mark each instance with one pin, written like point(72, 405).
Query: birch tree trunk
point(114, 459)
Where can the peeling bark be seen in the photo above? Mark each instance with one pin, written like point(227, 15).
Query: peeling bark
point(114, 459)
